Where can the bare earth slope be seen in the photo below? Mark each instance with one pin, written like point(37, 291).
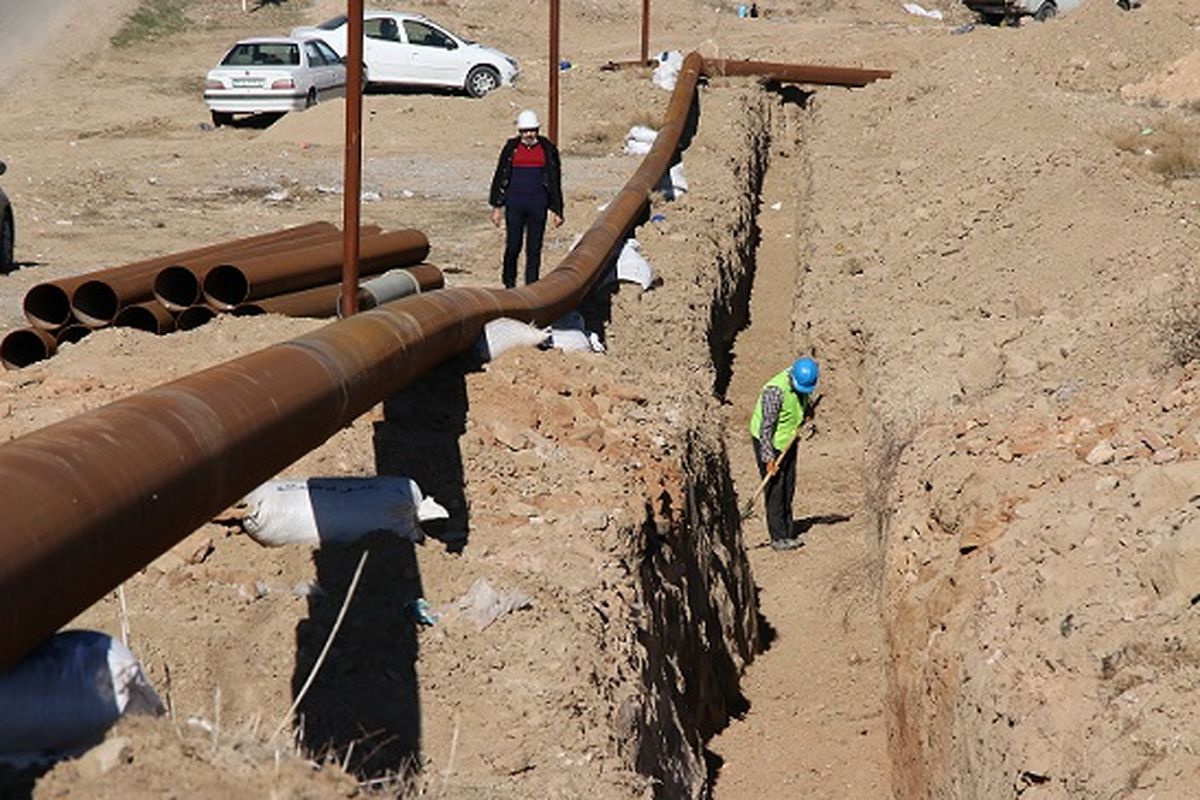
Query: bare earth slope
point(987, 252)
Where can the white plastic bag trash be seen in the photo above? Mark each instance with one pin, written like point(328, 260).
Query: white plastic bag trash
point(505, 333)
point(64, 695)
point(667, 70)
point(920, 11)
point(632, 266)
point(320, 511)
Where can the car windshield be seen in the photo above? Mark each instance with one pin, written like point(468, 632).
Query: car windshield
point(333, 24)
point(246, 54)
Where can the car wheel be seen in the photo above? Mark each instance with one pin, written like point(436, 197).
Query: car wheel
point(1046, 11)
point(481, 80)
point(7, 240)
point(310, 99)
point(220, 118)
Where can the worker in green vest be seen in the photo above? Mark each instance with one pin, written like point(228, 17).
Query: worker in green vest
point(783, 405)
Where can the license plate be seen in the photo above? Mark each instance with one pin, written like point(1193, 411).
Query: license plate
point(246, 83)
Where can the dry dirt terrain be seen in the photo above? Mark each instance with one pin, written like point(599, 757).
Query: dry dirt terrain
point(992, 254)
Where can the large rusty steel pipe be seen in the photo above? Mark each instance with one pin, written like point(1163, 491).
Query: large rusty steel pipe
point(24, 346)
point(229, 285)
point(92, 499)
point(193, 317)
point(97, 302)
point(48, 305)
point(150, 316)
point(177, 286)
point(794, 73)
point(324, 301)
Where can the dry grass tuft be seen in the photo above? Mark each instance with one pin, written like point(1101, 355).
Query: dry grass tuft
point(1181, 325)
point(1171, 148)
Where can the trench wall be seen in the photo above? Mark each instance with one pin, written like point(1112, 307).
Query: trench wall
point(698, 621)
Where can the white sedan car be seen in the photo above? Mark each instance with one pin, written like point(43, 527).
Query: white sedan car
point(411, 50)
point(273, 74)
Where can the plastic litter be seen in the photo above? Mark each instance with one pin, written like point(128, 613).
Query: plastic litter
point(64, 695)
point(421, 611)
point(318, 511)
point(564, 65)
point(919, 11)
point(484, 604)
point(658, 218)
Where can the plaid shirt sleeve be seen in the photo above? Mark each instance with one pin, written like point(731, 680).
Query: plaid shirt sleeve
point(772, 402)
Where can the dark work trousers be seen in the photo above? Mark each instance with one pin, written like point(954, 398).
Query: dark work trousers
point(528, 221)
point(779, 493)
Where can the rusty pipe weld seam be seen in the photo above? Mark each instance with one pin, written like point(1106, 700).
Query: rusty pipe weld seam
point(97, 302)
point(229, 285)
point(24, 346)
point(48, 304)
point(322, 301)
point(92, 499)
point(150, 316)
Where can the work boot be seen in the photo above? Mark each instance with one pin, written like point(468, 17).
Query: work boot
point(786, 544)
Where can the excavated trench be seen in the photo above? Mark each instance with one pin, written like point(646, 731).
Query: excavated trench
point(703, 624)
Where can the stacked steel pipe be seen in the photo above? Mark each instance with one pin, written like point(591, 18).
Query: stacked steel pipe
point(90, 500)
point(184, 290)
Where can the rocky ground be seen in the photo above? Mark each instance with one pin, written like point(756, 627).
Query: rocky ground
point(992, 256)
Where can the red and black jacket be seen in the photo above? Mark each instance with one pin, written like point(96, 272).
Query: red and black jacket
point(551, 175)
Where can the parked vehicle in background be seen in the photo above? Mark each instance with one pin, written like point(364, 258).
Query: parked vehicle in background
point(411, 50)
point(995, 12)
point(8, 229)
point(273, 74)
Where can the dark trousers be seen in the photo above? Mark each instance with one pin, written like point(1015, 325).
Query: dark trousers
point(528, 222)
point(780, 492)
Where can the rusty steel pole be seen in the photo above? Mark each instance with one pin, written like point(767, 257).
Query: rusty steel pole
point(352, 194)
point(552, 130)
point(645, 31)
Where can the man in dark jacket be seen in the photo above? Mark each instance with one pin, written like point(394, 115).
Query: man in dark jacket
point(527, 185)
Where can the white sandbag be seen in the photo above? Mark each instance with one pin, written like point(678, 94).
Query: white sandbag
point(319, 511)
point(63, 696)
point(641, 133)
point(632, 266)
point(505, 333)
point(678, 179)
point(633, 147)
point(571, 334)
point(667, 71)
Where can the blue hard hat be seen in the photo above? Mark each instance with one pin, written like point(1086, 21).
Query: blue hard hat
point(804, 375)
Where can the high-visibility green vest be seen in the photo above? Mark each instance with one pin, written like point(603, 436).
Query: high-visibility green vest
point(791, 414)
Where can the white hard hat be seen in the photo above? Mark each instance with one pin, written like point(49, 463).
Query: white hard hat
point(527, 121)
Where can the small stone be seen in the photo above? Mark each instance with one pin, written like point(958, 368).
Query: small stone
point(594, 519)
point(1102, 453)
point(1165, 456)
point(1107, 483)
point(105, 757)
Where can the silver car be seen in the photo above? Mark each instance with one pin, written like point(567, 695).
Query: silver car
point(8, 230)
